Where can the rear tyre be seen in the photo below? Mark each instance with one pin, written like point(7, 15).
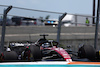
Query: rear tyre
point(9, 56)
point(87, 51)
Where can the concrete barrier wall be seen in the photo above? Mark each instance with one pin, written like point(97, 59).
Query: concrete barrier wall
point(47, 29)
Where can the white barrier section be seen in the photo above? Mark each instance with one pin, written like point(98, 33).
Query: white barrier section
point(36, 63)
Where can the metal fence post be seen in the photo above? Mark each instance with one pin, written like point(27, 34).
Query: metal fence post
point(75, 20)
point(4, 27)
point(96, 28)
point(59, 27)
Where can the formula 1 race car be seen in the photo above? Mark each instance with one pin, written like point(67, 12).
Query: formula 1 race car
point(51, 51)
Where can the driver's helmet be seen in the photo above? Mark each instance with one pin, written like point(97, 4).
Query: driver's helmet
point(46, 45)
point(8, 49)
point(42, 45)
